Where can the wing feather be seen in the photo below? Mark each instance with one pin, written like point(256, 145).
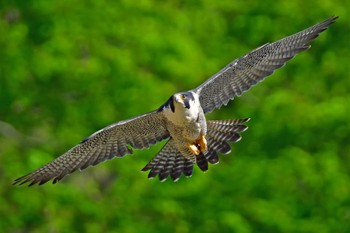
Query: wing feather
point(112, 141)
point(169, 162)
point(243, 73)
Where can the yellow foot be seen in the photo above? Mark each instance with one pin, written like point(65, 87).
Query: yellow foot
point(193, 148)
point(202, 143)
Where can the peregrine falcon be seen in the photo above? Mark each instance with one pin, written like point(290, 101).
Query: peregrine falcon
point(181, 120)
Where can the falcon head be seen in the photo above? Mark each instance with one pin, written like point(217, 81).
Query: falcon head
point(184, 99)
point(183, 103)
point(182, 107)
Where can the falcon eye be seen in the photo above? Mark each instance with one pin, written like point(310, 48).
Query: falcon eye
point(183, 96)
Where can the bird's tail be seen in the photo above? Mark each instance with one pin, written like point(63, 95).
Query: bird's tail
point(170, 162)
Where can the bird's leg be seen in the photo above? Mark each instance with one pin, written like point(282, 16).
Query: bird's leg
point(198, 146)
point(202, 141)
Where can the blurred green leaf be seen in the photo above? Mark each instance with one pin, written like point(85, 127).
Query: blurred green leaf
point(68, 69)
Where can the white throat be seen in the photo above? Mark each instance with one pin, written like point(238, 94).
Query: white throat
point(183, 115)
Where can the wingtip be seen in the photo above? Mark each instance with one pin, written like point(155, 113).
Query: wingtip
point(25, 180)
point(20, 181)
point(328, 22)
point(31, 180)
point(333, 18)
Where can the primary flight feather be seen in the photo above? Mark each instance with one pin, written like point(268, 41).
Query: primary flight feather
point(191, 138)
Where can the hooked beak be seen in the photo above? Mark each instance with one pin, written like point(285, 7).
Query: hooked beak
point(181, 99)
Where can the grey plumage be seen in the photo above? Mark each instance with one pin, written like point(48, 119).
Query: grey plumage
point(192, 139)
point(243, 73)
point(107, 143)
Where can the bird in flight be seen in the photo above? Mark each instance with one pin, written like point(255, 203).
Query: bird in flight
point(191, 139)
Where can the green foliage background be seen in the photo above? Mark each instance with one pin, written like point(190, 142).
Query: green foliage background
point(69, 68)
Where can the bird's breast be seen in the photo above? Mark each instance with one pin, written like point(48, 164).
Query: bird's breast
point(185, 125)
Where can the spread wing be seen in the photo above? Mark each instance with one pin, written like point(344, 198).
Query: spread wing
point(112, 141)
point(243, 73)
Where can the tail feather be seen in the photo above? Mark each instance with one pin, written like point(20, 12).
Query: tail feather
point(212, 156)
point(168, 167)
point(182, 166)
point(188, 168)
point(160, 161)
point(158, 168)
point(202, 162)
point(178, 168)
point(220, 146)
point(170, 162)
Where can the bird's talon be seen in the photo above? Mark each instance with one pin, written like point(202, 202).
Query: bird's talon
point(203, 143)
point(194, 149)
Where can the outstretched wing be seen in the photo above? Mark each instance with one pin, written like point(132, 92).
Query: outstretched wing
point(112, 141)
point(243, 73)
